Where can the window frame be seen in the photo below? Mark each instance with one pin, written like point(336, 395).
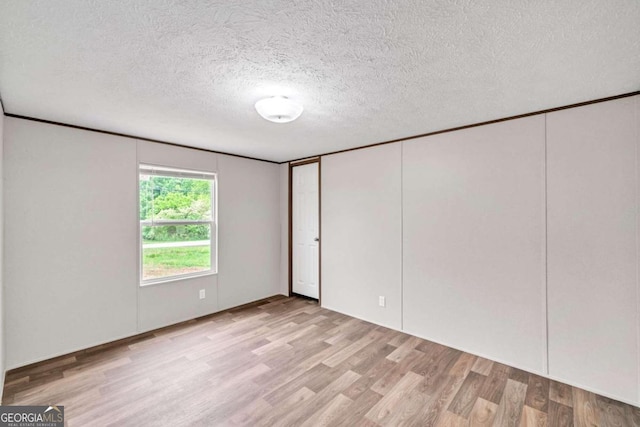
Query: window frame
point(179, 172)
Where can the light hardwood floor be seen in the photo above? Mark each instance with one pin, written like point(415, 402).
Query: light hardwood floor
point(288, 362)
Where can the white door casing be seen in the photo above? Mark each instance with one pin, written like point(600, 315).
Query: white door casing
point(305, 230)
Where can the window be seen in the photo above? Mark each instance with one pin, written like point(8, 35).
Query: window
point(177, 223)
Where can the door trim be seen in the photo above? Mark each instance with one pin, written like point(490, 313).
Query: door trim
point(291, 166)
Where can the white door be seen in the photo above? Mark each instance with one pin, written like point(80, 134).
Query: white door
point(305, 226)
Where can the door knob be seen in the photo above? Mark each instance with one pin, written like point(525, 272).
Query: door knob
point(317, 239)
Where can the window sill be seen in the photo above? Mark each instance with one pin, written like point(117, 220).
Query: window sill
point(177, 278)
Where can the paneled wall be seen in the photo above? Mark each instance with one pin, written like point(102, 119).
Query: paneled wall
point(592, 176)
point(361, 233)
point(249, 230)
point(71, 244)
point(2, 334)
point(71, 248)
point(284, 229)
point(473, 240)
point(495, 220)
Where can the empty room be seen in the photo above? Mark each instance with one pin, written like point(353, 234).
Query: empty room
point(315, 212)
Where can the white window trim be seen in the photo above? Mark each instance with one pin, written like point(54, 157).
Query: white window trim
point(159, 222)
point(147, 169)
point(157, 170)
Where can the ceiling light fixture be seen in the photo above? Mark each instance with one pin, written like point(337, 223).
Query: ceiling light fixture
point(278, 109)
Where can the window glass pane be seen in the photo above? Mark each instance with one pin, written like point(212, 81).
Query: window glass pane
point(175, 233)
point(170, 198)
point(171, 250)
point(146, 196)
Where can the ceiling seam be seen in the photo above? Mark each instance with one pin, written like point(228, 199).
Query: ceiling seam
point(504, 119)
point(124, 135)
point(519, 116)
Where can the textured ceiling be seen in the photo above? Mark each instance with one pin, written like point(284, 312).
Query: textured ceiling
point(368, 71)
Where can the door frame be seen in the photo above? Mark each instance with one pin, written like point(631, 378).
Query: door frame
point(291, 166)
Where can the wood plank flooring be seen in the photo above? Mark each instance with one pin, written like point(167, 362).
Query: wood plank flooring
point(288, 362)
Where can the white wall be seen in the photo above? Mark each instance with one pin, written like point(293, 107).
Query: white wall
point(249, 232)
point(592, 239)
point(361, 233)
point(71, 243)
point(71, 257)
point(476, 241)
point(2, 332)
point(284, 229)
point(473, 232)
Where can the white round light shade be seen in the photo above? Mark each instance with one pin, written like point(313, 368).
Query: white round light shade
point(278, 109)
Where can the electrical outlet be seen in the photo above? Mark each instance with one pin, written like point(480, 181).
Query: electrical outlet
point(202, 295)
point(382, 301)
